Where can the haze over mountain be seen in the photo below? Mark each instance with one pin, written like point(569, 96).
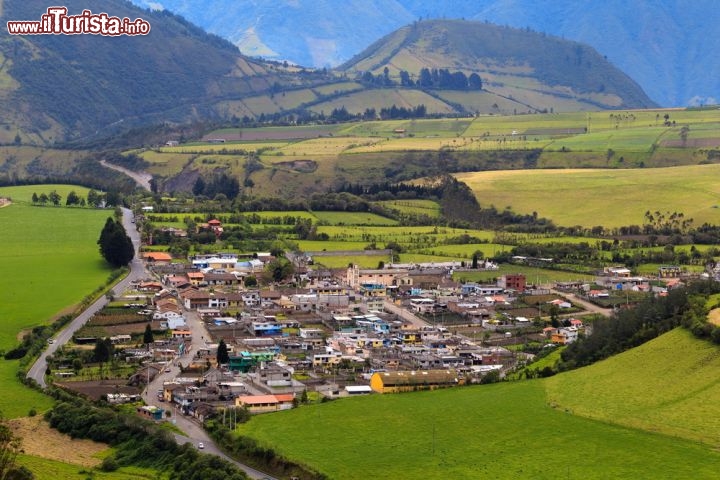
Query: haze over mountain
point(669, 47)
point(537, 71)
point(66, 87)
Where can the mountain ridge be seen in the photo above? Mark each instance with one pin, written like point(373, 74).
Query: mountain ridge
point(664, 46)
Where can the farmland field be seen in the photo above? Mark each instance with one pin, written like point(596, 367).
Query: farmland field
point(496, 431)
point(49, 253)
point(684, 388)
point(611, 198)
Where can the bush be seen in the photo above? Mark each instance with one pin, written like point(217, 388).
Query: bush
point(109, 464)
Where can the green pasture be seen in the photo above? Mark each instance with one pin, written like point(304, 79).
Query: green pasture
point(23, 194)
point(330, 246)
point(621, 140)
point(417, 127)
point(496, 431)
point(49, 253)
point(412, 257)
point(17, 399)
point(44, 468)
point(165, 163)
point(540, 276)
point(611, 198)
point(418, 235)
point(465, 251)
point(326, 145)
point(341, 261)
point(668, 386)
point(357, 102)
point(412, 207)
point(227, 147)
point(353, 218)
point(335, 88)
point(271, 131)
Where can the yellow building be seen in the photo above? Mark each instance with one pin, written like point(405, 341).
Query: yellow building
point(408, 381)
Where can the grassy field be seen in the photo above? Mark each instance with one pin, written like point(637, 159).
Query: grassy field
point(49, 253)
point(668, 386)
point(610, 198)
point(413, 207)
point(497, 431)
point(361, 152)
point(534, 275)
point(46, 469)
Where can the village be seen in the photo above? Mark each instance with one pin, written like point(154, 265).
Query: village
point(222, 341)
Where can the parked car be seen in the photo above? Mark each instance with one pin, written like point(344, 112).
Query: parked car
point(201, 445)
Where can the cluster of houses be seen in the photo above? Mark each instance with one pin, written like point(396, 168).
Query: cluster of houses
point(334, 333)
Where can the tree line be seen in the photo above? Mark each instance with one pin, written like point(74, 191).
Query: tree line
point(94, 198)
point(435, 78)
point(649, 319)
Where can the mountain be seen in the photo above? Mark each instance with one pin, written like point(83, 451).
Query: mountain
point(668, 46)
point(59, 88)
point(533, 69)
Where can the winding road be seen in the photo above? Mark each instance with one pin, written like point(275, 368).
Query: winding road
point(137, 272)
point(141, 178)
point(194, 431)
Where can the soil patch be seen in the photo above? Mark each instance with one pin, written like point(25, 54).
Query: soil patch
point(714, 316)
point(302, 166)
point(251, 135)
point(95, 389)
point(39, 440)
point(691, 143)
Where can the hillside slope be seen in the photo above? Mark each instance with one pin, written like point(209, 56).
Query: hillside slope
point(668, 47)
point(668, 385)
point(515, 64)
point(655, 405)
point(64, 87)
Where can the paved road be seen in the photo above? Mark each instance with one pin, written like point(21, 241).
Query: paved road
point(405, 314)
point(137, 271)
point(194, 430)
point(141, 178)
point(589, 307)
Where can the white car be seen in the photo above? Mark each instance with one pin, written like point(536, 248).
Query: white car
point(51, 341)
point(201, 445)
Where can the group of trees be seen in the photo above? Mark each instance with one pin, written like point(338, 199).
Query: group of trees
point(94, 198)
point(219, 184)
point(136, 442)
point(393, 112)
point(440, 78)
point(115, 245)
point(649, 319)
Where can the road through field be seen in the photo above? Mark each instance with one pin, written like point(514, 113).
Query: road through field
point(141, 178)
point(195, 432)
point(137, 272)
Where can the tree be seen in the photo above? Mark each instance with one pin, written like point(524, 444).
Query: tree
point(72, 198)
point(103, 350)
point(55, 198)
point(223, 357)
point(278, 270)
point(199, 186)
point(474, 82)
point(684, 131)
point(10, 447)
point(35, 197)
point(43, 199)
point(115, 246)
point(94, 199)
point(148, 337)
